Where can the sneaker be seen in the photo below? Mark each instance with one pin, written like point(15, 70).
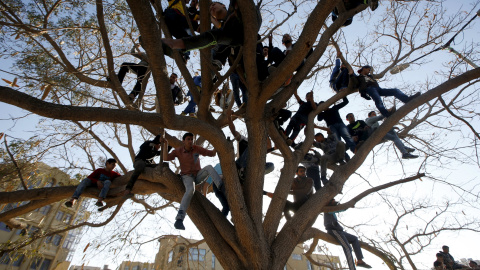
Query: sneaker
point(217, 64)
point(70, 202)
point(409, 150)
point(99, 203)
point(414, 96)
point(192, 115)
point(409, 156)
point(363, 264)
point(179, 224)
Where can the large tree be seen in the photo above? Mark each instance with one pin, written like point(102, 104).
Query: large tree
point(64, 51)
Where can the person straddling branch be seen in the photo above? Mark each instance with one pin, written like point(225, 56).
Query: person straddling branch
point(358, 129)
point(333, 152)
point(391, 135)
point(140, 69)
point(101, 178)
point(300, 119)
point(302, 190)
point(344, 239)
point(177, 93)
point(336, 124)
point(448, 259)
point(148, 151)
point(241, 161)
point(369, 89)
point(191, 173)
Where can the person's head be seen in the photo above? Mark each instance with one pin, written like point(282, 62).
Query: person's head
point(173, 78)
point(372, 114)
point(218, 11)
point(439, 257)
point(301, 171)
point(365, 70)
point(309, 95)
point(188, 140)
point(110, 164)
point(350, 118)
point(319, 137)
point(265, 51)
point(287, 40)
point(472, 264)
point(445, 249)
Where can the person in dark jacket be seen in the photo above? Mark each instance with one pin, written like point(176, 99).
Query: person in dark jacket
point(333, 152)
point(177, 93)
point(335, 123)
point(345, 239)
point(358, 129)
point(302, 190)
point(148, 151)
point(369, 89)
point(140, 69)
point(300, 119)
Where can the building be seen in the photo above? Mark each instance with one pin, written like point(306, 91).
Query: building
point(51, 252)
point(179, 253)
point(128, 265)
point(84, 267)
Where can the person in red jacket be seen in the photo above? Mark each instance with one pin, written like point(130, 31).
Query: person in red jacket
point(101, 178)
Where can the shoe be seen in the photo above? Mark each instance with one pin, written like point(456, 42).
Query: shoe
point(392, 110)
point(70, 202)
point(409, 150)
point(363, 264)
point(192, 115)
point(217, 64)
point(179, 224)
point(414, 96)
point(409, 156)
point(99, 203)
point(183, 114)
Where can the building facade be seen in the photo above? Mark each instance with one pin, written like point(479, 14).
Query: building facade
point(51, 252)
point(129, 265)
point(177, 253)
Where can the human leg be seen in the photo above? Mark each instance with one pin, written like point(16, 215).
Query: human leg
point(191, 105)
point(339, 235)
point(105, 188)
point(392, 136)
point(140, 70)
point(187, 196)
point(139, 167)
point(314, 173)
point(340, 152)
point(203, 174)
point(393, 92)
point(235, 81)
point(353, 240)
point(323, 169)
point(343, 132)
point(221, 196)
point(373, 93)
point(81, 187)
point(123, 71)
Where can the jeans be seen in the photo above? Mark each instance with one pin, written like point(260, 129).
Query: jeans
point(236, 86)
point(88, 183)
point(189, 180)
point(314, 173)
point(345, 239)
point(376, 94)
point(341, 130)
point(392, 136)
point(139, 70)
point(191, 105)
point(296, 124)
point(138, 168)
point(332, 158)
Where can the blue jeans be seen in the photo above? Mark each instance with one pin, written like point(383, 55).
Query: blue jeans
point(376, 94)
point(340, 130)
point(88, 183)
point(191, 105)
point(236, 85)
point(392, 136)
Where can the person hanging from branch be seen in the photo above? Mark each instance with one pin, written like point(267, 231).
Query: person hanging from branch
point(345, 239)
point(369, 89)
point(101, 178)
point(302, 190)
point(192, 174)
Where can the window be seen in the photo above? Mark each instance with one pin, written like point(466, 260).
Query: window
point(213, 261)
point(57, 239)
point(59, 215)
point(67, 219)
point(170, 256)
point(126, 268)
point(135, 268)
point(5, 259)
point(18, 260)
point(4, 227)
point(44, 210)
point(181, 250)
point(35, 263)
point(297, 257)
point(196, 254)
point(45, 264)
point(69, 240)
point(33, 230)
point(48, 239)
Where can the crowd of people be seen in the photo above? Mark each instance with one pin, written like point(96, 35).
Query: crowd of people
point(225, 38)
point(445, 261)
